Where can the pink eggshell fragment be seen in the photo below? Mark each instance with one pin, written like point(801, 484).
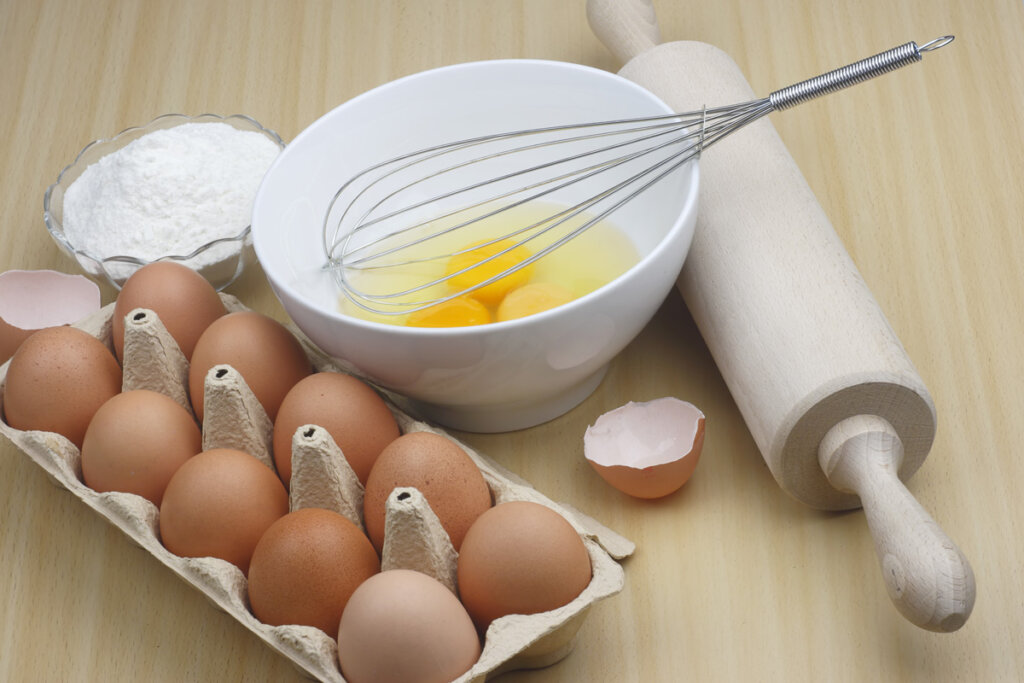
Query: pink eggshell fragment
point(32, 300)
point(648, 449)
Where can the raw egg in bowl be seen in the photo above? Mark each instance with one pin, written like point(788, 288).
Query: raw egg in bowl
point(496, 362)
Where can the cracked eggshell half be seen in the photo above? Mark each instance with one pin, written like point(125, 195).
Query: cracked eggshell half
point(648, 449)
point(32, 300)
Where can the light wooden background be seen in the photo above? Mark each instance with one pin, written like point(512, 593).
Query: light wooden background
point(921, 172)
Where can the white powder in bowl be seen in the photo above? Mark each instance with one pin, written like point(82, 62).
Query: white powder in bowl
point(168, 193)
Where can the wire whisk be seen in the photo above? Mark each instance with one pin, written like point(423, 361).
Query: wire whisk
point(417, 209)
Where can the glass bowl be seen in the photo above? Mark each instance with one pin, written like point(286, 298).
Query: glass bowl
point(220, 261)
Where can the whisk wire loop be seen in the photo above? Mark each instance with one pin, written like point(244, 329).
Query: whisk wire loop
point(577, 175)
point(539, 228)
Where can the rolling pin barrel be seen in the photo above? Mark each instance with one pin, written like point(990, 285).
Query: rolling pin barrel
point(827, 390)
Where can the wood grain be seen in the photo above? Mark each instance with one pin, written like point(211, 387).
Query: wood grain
point(732, 580)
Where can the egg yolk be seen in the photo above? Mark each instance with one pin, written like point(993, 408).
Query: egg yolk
point(492, 294)
point(532, 298)
point(490, 265)
point(458, 312)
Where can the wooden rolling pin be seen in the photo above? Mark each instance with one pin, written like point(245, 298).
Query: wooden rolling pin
point(832, 400)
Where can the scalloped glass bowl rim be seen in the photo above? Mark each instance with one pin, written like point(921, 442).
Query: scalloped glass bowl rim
point(222, 273)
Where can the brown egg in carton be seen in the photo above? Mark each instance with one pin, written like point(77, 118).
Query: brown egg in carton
point(321, 477)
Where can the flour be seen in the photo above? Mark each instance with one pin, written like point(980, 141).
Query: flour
point(168, 193)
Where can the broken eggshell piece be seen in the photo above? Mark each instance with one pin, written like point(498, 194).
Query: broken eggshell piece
point(648, 449)
point(32, 300)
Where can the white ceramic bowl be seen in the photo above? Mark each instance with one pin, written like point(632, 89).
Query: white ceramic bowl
point(489, 378)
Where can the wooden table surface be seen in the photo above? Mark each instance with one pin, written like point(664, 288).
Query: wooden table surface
point(732, 580)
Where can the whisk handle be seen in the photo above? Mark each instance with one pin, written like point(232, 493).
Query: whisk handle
point(858, 72)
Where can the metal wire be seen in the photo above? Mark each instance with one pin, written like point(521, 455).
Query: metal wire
point(388, 199)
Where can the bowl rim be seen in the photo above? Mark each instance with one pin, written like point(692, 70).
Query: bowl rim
point(689, 205)
point(56, 227)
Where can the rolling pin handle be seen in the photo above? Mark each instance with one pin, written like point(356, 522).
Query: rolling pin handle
point(627, 27)
point(927, 577)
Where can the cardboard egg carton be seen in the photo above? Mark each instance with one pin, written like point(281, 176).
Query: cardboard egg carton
point(321, 478)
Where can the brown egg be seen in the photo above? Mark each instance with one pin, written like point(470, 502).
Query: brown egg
point(441, 470)
point(305, 568)
point(219, 504)
point(402, 626)
point(262, 350)
point(182, 298)
point(136, 442)
point(57, 380)
point(520, 558)
point(352, 413)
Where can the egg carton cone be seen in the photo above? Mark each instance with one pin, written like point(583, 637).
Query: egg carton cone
point(323, 478)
